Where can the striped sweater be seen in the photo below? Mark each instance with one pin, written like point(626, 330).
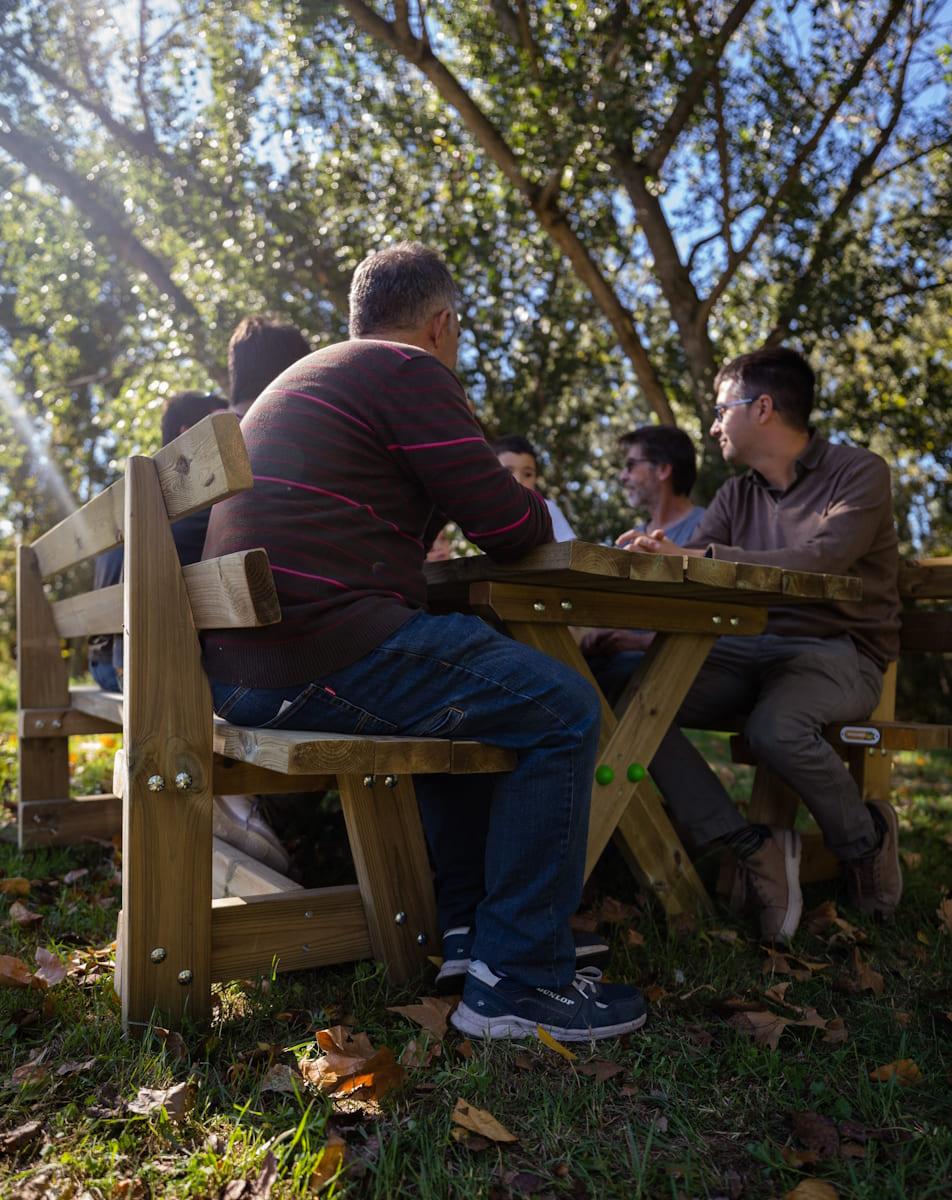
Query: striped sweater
point(355, 450)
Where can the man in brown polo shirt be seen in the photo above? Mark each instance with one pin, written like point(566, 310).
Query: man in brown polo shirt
point(812, 505)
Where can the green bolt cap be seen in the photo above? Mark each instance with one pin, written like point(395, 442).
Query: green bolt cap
point(604, 774)
point(635, 772)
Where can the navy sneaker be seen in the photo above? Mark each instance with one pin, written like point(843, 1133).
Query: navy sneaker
point(495, 1007)
point(591, 954)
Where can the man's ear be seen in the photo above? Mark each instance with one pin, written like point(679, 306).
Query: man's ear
point(764, 407)
point(436, 326)
point(663, 470)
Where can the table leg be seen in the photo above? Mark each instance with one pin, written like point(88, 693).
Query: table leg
point(632, 809)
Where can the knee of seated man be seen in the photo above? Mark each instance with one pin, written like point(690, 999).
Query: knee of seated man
point(769, 732)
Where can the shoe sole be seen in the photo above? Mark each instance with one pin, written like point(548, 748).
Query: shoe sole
point(792, 849)
point(467, 1021)
point(452, 975)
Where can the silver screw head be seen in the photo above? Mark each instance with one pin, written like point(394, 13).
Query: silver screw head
point(735, 621)
point(158, 954)
point(538, 606)
point(155, 783)
point(717, 620)
point(308, 915)
point(422, 939)
point(390, 781)
point(183, 781)
point(400, 918)
point(565, 605)
point(40, 724)
point(369, 781)
point(185, 977)
point(56, 723)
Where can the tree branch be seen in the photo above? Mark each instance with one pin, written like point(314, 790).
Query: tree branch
point(693, 86)
point(540, 200)
point(806, 148)
point(104, 221)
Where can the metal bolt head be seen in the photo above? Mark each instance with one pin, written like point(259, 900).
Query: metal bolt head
point(369, 781)
point(390, 781)
point(422, 939)
point(717, 620)
point(40, 724)
point(565, 605)
point(56, 723)
point(735, 621)
point(400, 918)
point(158, 954)
point(183, 781)
point(308, 915)
point(155, 783)
point(538, 606)
point(185, 977)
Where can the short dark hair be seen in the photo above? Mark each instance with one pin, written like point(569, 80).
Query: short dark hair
point(779, 372)
point(185, 409)
point(666, 444)
point(513, 443)
point(261, 347)
point(399, 288)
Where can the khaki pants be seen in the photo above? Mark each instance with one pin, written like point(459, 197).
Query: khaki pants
point(785, 689)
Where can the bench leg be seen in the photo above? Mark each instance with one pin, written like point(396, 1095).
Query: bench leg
point(393, 872)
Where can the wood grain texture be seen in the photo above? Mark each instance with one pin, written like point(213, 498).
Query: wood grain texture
point(235, 591)
point(60, 723)
point(166, 834)
point(296, 931)
point(614, 610)
point(206, 463)
point(393, 873)
point(43, 682)
point(926, 579)
point(68, 822)
point(235, 873)
point(107, 706)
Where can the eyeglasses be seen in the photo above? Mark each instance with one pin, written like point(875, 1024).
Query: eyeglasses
point(629, 463)
point(720, 409)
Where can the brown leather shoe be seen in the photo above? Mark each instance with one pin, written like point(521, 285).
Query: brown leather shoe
point(767, 884)
point(875, 883)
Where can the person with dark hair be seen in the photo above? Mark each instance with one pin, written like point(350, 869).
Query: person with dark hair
point(806, 504)
point(518, 456)
point(657, 474)
point(181, 412)
point(354, 451)
point(261, 347)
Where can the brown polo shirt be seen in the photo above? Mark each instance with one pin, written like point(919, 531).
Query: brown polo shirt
point(836, 517)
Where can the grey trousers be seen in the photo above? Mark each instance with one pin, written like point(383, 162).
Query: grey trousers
point(786, 689)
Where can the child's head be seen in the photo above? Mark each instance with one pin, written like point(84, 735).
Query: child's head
point(518, 457)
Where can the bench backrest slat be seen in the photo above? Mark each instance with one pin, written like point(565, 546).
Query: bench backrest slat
point(235, 591)
point(202, 465)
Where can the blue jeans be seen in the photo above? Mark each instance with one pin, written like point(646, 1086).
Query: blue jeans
point(508, 850)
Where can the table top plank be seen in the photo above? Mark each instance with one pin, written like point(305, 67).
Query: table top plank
point(604, 568)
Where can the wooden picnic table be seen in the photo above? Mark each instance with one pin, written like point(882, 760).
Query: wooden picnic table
point(689, 602)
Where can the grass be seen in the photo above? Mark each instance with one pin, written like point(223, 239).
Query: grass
point(698, 1109)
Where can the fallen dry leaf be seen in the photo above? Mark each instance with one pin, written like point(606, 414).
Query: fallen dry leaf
point(816, 1132)
point(584, 922)
point(615, 912)
point(264, 1181)
point(778, 991)
point(465, 1048)
point(866, 977)
point(524, 1183)
point(50, 969)
point(852, 1150)
point(764, 1027)
point(480, 1122)
point(281, 1078)
point(825, 917)
point(32, 1071)
point(420, 1054)
point(15, 1139)
point(634, 938)
point(471, 1141)
point(903, 1070)
point(523, 1062)
point(912, 859)
point(14, 972)
point(601, 1069)
point(944, 913)
point(176, 1100)
point(813, 1189)
point(175, 1045)
point(836, 1031)
point(724, 935)
point(330, 1162)
point(901, 1018)
point(16, 885)
point(432, 1013)
point(350, 1064)
point(75, 1068)
point(655, 993)
point(547, 1039)
point(72, 877)
point(799, 1158)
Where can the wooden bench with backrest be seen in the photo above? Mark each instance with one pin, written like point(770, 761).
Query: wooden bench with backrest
point(174, 940)
point(925, 587)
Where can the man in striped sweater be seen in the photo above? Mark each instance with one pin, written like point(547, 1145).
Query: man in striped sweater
point(360, 452)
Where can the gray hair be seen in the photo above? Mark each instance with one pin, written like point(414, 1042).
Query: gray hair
point(399, 288)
